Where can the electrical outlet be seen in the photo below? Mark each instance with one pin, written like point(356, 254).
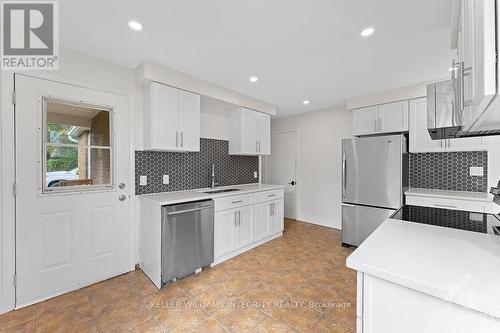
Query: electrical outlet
point(166, 179)
point(476, 171)
point(255, 175)
point(143, 180)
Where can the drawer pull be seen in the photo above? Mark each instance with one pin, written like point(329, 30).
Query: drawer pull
point(445, 206)
point(237, 201)
point(271, 195)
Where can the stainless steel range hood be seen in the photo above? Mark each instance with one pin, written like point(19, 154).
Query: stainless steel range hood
point(445, 120)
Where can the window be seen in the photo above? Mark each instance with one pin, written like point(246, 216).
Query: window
point(77, 147)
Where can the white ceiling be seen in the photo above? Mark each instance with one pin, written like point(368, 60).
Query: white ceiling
point(299, 49)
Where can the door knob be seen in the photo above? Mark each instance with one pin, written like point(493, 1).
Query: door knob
point(292, 182)
point(122, 186)
point(122, 197)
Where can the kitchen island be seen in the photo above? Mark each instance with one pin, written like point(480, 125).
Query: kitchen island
point(416, 277)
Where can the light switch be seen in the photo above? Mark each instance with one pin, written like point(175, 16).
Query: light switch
point(255, 175)
point(143, 180)
point(166, 179)
point(476, 171)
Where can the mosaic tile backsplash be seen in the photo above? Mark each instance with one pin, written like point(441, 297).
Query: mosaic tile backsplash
point(192, 170)
point(449, 171)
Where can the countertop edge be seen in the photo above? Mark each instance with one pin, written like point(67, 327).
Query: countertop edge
point(470, 196)
point(198, 195)
point(473, 304)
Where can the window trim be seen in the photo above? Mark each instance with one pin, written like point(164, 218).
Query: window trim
point(43, 188)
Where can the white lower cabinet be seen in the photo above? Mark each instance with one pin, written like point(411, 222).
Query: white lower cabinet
point(386, 307)
point(224, 232)
point(262, 220)
point(244, 226)
point(238, 229)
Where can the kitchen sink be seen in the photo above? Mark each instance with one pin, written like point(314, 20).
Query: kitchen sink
point(222, 190)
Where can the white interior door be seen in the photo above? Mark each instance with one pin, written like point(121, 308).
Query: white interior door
point(72, 203)
point(281, 167)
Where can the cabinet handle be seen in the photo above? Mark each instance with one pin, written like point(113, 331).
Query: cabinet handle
point(445, 206)
point(239, 217)
point(271, 195)
point(237, 201)
point(177, 138)
point(375, 121)
point(256, 146)
point(271, 208)
point(235, 218)
point(182, 138)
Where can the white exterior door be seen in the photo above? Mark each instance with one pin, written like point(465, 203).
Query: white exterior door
point(281, 167)
point(71, 228)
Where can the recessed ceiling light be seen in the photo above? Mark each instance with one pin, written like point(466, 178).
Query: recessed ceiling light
point(134, 25)
point(306, 102)
point(367, 32)
point(253, 79)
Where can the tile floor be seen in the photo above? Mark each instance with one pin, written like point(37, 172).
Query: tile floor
point(296, 283)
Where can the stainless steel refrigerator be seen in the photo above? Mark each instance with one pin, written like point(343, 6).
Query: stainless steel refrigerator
point(375, 175)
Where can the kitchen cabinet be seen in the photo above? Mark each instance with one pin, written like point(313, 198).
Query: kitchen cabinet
point(385, 118)
point(171, 119)
point(277, 217)
point(245, 221)
point(245, 225)
point(421, 142)
point(225, 232)
point(262, 220)
point(250, 133)
point(380, 301)
point(477, 59)
point(365, 120)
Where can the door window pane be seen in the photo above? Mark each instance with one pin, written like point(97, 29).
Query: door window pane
point(77, 147)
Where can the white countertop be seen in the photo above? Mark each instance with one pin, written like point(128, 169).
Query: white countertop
point(459, 266)
point(474, 196)
point(169, 198)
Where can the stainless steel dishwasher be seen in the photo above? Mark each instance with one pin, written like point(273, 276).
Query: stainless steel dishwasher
point(187, 238)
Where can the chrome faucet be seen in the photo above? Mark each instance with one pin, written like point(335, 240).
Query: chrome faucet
point(213, 176)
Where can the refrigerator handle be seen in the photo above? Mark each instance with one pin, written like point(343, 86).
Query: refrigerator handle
point(343, 174)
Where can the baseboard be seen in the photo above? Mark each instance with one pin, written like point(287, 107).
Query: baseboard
point(318, 223)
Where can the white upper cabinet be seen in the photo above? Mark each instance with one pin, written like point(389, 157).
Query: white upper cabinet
point(421, 142)
point(364, 121)
point(250, 133)
point(189, 120)
point(393, 117)
point(385, 118)
point(477, 64)
point(171, 119)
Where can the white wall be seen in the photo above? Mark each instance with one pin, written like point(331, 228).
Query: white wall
point(319, 163)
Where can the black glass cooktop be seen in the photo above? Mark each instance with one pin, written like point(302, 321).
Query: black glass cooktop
point(456, 219)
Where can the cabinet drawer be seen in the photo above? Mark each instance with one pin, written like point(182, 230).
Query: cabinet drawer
point(269, 195)
point(233, 202)
point(455, 204)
